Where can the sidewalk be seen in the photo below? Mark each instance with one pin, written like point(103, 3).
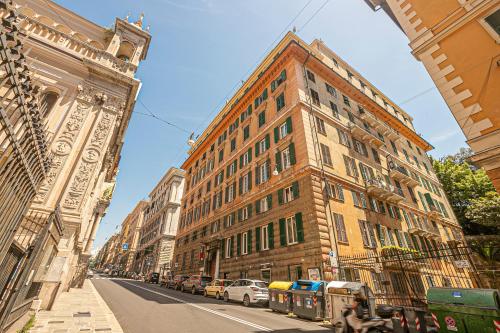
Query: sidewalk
point(79, 310)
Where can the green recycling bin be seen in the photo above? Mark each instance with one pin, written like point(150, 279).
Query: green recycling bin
point(280, 298)
point(465, 310)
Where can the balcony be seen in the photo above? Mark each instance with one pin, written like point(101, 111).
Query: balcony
point(434, 212)
point(424, 229)
point(378, 125)
point(400, 173)
point(384, 191)
point(364, 135)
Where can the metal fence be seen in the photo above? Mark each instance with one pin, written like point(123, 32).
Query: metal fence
point(400, 276)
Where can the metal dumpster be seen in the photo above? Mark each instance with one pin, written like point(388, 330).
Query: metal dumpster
point(465, 310)
point(280, 298)
point(308, 299)
point(341, 293)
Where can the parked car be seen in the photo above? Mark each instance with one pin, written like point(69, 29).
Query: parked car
point(196, 283)
point(164, 280)
point(216, 288)
point(247, 291)
point(153, 277)
point(90, 274)
point(176, 282)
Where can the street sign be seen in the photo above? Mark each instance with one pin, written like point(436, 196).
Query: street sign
point(462, 264)
point(125, 246)
point(333, 259)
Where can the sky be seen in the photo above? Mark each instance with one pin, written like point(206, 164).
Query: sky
point(202, 49)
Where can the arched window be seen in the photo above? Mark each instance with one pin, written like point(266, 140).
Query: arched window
point(125, 52)
point(48, 101)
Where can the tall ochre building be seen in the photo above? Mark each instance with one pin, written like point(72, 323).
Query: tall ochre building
point(308, 160)
point(458, 42)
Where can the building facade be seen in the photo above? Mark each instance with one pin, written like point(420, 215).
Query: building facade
point(458, 43)
point(306, 162)
point(161, 216)
point(88, 89)
point(130, 235)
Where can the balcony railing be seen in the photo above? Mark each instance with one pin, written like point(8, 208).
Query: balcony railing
point(401, 173)
point(379, 125)
point(434, 212)
point(384, 191)
point(364, 134)
point(423, 228)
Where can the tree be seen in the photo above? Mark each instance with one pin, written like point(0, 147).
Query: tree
point(463, 183)
point(485, 211)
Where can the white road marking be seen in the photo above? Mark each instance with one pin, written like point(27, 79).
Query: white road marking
point(241, 321)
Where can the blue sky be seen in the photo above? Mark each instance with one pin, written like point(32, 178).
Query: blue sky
point(201, 49)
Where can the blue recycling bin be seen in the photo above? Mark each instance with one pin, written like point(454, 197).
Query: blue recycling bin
point(308, 299)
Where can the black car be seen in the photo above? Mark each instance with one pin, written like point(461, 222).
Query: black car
point(154, 277)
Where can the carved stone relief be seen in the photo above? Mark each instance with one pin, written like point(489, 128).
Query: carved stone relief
point(91, 157)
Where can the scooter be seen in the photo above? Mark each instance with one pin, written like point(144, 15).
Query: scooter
point(350, 323)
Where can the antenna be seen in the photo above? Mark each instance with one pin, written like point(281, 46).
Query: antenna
point(191, 141)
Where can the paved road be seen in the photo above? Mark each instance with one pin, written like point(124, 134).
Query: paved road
point(146, 308)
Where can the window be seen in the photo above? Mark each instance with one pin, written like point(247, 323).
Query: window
point(355, 199)
point(49, 100)
point(231, 169)
point(230, 193)
point(245, 183)
point(246, 132)
point(340, 226)
point(262, 147)
point(346, 100)
point(280, 101)
point(376, 156)
point(315, 97)
point(492, 24)
point(263, 172)
point(350, 165)
point(229, 247)
point(285, 158)
point(260, 99)
point(291, 231)
point(335, 191)
point(275, 84)
point(283, 130)
point(344, 138)
point(325, 154)
point(219, 178)
point(264, 238)
point(262, 118)
point(367, 234)
point(320, 124)
point(366, 172)
point(229, 220)
point(335, 110)
point(288, 194)
point(244, 214)
point(311, 76)
point(360, 147)
point(335, 62)
point(233, 144)
point(247, 113)
point(412, 194)
point(331, 90)
point(246, 158)
point(244, 243)
point(221, 155)
point(394, 147)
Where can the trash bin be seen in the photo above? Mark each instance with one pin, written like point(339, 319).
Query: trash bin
point(411, 320)
point(465, 310)
point(308, 299)
point(280, 298)
point(339, 294)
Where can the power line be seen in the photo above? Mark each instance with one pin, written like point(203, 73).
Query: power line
point(151, 114)
point(314, 15)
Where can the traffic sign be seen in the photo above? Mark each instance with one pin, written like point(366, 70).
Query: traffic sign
point(125, 246)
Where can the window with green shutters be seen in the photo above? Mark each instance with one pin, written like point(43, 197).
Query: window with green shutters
point(279, 80)
point(249, 242)
point(280, 102)
point(283, 130)
point(270, 232)
point(233, 144)
point(238, 245)
point(260, 99)
point(288, 193)
point(262, 118)
point(246, 132)
point(291, 230)
point(257, 239)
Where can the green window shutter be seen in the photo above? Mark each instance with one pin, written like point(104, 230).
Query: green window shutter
point(257, 207)
point(225, 222)
point(280, 196)
point(249, 155)
point(239, 215)
point(257, 239)
point(240, 185)
point(273, 86)
point(226, 197)
point(276, 134)
point(282, 232)
point(269, 201)
point(283, 75)
point(249, 249)
point(278, 161)
point(250, 207)
point(235, 165)
point(380, 234)
point(262, 118)
point(232, 247)
point(268, 141)
point(429, 200)
point(227, 170)
point(270, 233)
point(257, 152)
point(241, 161)
point(249, 109)
point(264, 94)
point(257, 176)
point(300, 227)
point(291, 148)
point(238, 245)
point(222, 246)
point(250, 180)
point(289, 127)
point(295, 189)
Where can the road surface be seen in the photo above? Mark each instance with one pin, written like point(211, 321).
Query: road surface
point(146, 308)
